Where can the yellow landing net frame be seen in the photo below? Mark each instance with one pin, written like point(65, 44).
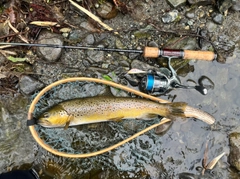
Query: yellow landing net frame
point(189, 112)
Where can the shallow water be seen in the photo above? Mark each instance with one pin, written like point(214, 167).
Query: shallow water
point(180, 149)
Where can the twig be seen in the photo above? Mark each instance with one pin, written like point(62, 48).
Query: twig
point(92, 16)
point(184, 34)
point(4, 52)
point(5, 46)
point(17, 32)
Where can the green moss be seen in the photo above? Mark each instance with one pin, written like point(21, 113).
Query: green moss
point(236, 135)
point(101, 1)
point(141, 35)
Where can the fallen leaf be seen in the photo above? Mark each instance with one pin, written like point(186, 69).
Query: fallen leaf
point(135, 71)
point(108, 78)
point(44, 23)
point(214, 161)
point(13, 59)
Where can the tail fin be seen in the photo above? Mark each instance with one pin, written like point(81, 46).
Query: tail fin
point(201, 115)
point(176, 109)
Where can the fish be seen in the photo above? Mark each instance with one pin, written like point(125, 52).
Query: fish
point(101, 109)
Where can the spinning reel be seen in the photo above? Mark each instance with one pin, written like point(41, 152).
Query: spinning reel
point(164, 80)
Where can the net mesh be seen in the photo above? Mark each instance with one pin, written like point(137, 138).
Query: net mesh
point(83, 138)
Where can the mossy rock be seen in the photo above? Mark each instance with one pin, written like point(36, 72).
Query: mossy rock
point(234, 156)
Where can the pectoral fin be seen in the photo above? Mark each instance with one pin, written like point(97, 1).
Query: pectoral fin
point(148, 116)
point(68, 122)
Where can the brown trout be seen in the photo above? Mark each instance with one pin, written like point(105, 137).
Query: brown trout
point(100, 109)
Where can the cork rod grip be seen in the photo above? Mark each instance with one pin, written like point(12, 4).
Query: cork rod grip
point(151, 52)
point(199, 55)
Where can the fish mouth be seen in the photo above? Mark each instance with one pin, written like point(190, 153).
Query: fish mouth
point(45, 123)
point(49, 125)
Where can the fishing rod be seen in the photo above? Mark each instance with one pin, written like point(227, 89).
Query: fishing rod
point(147, 52)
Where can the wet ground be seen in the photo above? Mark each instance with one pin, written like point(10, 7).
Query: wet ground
point(181, 148)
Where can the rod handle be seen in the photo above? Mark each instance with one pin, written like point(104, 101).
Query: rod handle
point(151, 52)
point(199, 55)
point(155, 52)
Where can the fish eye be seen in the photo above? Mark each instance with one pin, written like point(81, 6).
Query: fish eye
point(46, 115)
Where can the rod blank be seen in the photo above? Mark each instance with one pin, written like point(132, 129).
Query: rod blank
point(148, 52)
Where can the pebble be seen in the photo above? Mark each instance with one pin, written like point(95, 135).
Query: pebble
point(190, 14)
point(47, 53)
point(170, 16)
point(211, 26)
point(28, 85)
point(176, 3)
point(218, 19)
point(89, 39)
point(96, 56)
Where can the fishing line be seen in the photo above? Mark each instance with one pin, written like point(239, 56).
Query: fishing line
point(189, 112)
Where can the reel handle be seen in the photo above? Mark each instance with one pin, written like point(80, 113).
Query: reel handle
point(155, 52)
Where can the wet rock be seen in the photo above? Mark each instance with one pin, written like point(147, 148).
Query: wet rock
point(77, 35)
point(132, 79)
point(218, 18)
point(28, 85)
point(200, 2)
point(170, 16)
point(88, 26)
point(142, 66)
point(89, 39)
point(47, 53)
point(211, 27)
point(236, 5)
point(143, 33)
point(162, 129)
point(176, 3)
point(186, 175)
point(107, 10)
point(201, 41)
point(119, 45)
point(96, 56)
point(224, 5)
point(234, 156)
